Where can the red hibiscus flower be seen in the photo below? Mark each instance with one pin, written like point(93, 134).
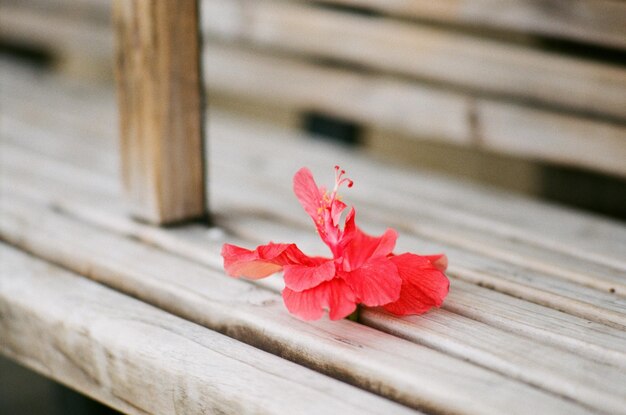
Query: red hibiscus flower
point(362, 270)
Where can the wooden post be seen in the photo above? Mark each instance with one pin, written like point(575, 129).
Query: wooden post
point(160, 108)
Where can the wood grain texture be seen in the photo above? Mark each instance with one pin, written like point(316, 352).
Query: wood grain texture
point(586, 338)
point(547, 367)
point(422, 112)
point(440, 219)
point(536, 216)
point(428, 54)
point(139, 359)
point(599, 22)
point(474, 217)
point(160, 108)
point(406, 372)
point(60, 32)
point(202, 248)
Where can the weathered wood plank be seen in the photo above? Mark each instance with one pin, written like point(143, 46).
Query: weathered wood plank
point(406, 372)
point(371, 100)
point(381, 44)
point(75, 197)
point(392, 181)
point(88, 10)
point(559, 371)
point(413, 108)
point(140, 359)
point(61, 33)
point(598, 22)
point(431, 225)
point(533, 374)
point(491, 211)
point(422, 112)
point(603, 307)
point(547, 77)
point(617, 281)
point(160, 108)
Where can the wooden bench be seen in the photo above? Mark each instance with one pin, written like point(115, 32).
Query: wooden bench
point(534, 323)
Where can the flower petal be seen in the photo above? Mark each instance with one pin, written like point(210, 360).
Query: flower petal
point(361, 247)
point(334, 295)
point(307, 192)
point(336, 210)
point(263, 261)
point(303, 277)
point(423, 285)
point(375, 283)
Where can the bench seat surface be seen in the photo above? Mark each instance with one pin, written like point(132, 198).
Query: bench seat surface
point(534, 323)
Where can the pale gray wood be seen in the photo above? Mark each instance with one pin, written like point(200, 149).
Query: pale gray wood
point(589, 303)
point(421, 51)
point(463, 204)
point(588, 21)
point(578, 240)
point(61, 33)
point(406, 372)
point(394, 178)
point(419, 111)
point(469, 274)
point(478, 343)
point(139, 359)
point(580, 336)
point(443, 342)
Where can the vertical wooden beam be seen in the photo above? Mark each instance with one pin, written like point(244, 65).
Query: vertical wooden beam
point(160, 108)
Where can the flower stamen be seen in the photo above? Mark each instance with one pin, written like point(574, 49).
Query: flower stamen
point(339, 180)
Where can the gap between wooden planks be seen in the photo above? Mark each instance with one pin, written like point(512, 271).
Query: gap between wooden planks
point(411, 49)
point(420, 111)
point(462, 205)
point(436, 221)
point(139, 359)
point(587, 21)
point(543, 324)
point(558, 299)
point(437, 334)
point(540, 134)
point(435, 340)
point(403, 371)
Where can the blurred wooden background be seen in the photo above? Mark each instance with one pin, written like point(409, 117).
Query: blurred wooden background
point(527, 95)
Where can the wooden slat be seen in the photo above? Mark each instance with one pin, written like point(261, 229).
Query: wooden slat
point(539, 288)
point(560, 263)
point(160, 106)
point(434, 332)
point(467, 196)
point(547, 374)
point(142, 360)
point(426, 53)
point(598, 22)
point(605, 238)
point(431, 330)
point(410, 108)
point(406, 372)
point(585, 338)
point(88, 10)
point(62, 33)
point(418, 111)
